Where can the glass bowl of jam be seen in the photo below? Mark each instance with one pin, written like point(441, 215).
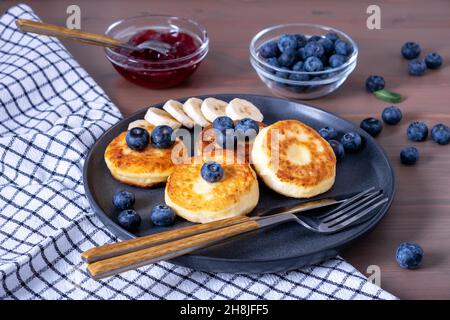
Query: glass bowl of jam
point(189, 46)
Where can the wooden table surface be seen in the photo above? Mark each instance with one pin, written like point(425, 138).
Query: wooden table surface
point(421, 209)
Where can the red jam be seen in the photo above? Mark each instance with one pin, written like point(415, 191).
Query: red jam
point(155, 70)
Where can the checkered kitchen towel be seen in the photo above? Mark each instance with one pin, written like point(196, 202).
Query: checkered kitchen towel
point(51, 112)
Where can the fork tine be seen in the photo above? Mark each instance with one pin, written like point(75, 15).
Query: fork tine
point(356, 217)
point(348, 212)
point(337, 213)
point(349, 201)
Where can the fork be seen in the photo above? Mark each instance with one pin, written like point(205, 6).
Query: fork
point(89, 38)
point(345, 215)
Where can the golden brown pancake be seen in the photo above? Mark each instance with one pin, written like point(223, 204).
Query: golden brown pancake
point(197, 200)
point(145, 168)
point(294, 160)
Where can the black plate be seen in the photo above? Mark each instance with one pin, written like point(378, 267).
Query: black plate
point(276, 249)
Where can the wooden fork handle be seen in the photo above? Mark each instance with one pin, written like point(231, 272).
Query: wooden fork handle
point(66, 33)
point(168, 250)
point(124, 247)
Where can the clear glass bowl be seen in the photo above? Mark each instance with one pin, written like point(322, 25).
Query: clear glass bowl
point(322, 82)
point(156, 74)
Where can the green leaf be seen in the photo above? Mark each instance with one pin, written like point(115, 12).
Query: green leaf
point(389, 96)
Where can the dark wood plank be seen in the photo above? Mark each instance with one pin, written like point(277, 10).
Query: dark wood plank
point(421, 210)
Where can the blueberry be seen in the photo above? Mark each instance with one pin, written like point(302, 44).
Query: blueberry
point(342, 48)
point(314, 49)
point(391, 115)
point(409, 255)
point(433, 60)
point(247, 124)
point(223, 123)
point(129, 219)
point(417, 131)
point(269, 50)
point(313, 64)
point(287, 41)
point(338, 149)
point(301, 55)
point(352, 142)
point(273, 62)
point(328, 133)
point(301, 40)
point(299, 77)
point(336, 60)
point(162, 137)
point(332, 36)
point(288, 58)
point(417, 67)
point(123, 199)
point(137, 139)
point(327, 44)
point(372, 126)
point(298, 66)
point(248, 127)
point(440, 133)
point(211, 171)
point(283, 74)
point(410, 50)
point(314, 38)
point(162, 216)
point(374, 83)
point(409, 155)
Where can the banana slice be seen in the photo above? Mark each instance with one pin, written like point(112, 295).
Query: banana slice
point(159, 117)
point(192, 107)
point(175, 109)
point(213, 108)
point(141, 123)
point(239, 109)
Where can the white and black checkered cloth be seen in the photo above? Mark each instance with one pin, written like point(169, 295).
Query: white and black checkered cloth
point(51, 112)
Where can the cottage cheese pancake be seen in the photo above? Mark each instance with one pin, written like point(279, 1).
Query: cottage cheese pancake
point(197, 200)
point(294, 160)
point(144, 168)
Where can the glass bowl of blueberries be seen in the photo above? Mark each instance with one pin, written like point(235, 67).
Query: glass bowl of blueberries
point(303, 61)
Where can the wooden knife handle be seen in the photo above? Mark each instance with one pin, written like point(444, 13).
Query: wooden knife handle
point(168, 250)
point(66, 33)
point(124, 247)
